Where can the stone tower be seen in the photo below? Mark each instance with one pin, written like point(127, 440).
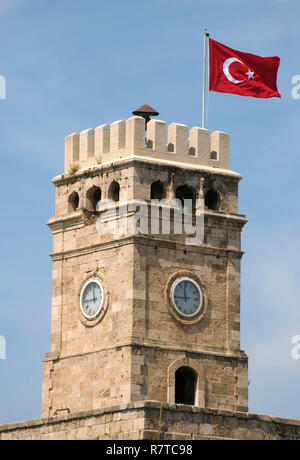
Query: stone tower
point(123, 328)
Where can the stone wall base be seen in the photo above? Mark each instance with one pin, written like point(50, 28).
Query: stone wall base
point(152, 420)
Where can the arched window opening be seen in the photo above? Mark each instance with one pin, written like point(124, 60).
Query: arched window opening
point(149, 144)
point(212, 200)
point(93, 198)
point(73, 202)
point(171, 147)
point(185, 386)
point(192, 151)
point(114, 191)
point(157, 191)
point(187, 196)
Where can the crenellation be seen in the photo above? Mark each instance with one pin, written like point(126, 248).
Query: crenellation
point(118, 136)
point(200, 143)
point(102, 142)
point(135, 135)
point(178, 138)
point(71, 150)
point(220, 143)
point(86, 145)
point(125, 138)
point(157, 135)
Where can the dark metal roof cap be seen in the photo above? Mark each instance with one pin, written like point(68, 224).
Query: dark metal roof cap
point(146, 111)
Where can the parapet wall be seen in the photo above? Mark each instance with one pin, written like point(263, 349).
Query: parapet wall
point(108, 143)
point(154, 421)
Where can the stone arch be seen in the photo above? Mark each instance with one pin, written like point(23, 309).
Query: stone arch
point(73, 202)
point(212, 200)
point(186, 192)
point(185, 385)
point(114, 191)
point(158, 191)
point(93, 197)
point(198, 369)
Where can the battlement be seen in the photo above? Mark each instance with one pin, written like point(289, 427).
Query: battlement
point(121, 139)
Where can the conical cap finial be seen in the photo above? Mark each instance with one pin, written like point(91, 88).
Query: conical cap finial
point(146, 111)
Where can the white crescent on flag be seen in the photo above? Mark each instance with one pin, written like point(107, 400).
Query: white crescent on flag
point(226, 67)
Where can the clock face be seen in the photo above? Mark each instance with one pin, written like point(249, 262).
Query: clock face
point(187, 297)
point(91, 299)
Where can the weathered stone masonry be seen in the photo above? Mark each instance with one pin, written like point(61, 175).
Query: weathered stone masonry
point(115, 377)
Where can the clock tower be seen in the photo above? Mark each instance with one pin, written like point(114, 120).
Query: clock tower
point(153, 314)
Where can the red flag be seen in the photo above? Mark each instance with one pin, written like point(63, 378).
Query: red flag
point(240, 73)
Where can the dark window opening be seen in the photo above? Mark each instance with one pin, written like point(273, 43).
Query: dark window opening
point(185, 386)
point(212, 200)
point(184, 192)
point(149, 144)
point(213, 155)
point(73, 202)
point(157, 191)
point(93, 197)
point(114, 191)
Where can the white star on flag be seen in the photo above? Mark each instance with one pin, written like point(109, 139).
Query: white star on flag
point(250, 74)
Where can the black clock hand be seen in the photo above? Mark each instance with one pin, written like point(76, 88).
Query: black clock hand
point(90, 300)
point(184, 287)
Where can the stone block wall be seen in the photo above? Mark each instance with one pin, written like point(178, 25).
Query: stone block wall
point(126, 356)
point(154, 422)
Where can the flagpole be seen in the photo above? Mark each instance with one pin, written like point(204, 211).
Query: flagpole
point(204, 78)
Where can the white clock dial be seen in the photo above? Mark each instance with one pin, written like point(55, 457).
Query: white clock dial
point(187, 297)
point(91, 299)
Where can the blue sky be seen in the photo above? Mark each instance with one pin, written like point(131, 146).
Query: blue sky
point(73, 65)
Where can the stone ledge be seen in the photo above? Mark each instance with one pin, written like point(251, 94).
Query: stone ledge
point(149, 241)
point(157, 345)
point(135, 159)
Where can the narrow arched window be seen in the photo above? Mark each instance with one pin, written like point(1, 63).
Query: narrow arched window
point(93, 197)
point(73, 202)
point(212, 200)
point(157, 191)
point(114, 191)
point(187, 196)
point(185, 386)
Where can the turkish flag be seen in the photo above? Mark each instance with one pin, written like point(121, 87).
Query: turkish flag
point(240, 73)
